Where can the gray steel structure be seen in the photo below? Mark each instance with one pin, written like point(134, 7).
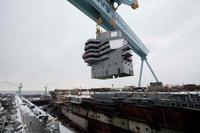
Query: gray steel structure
point(111, 20)
point(109, 56)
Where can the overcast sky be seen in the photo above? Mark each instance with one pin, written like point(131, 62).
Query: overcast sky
point(42, 41)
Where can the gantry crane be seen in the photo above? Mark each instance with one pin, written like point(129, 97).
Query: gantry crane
point(15, 85)
point(46, 88)
point(103, 12)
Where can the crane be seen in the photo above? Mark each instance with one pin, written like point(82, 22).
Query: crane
point(103, 12)
point(15, 85)
point(47, 86)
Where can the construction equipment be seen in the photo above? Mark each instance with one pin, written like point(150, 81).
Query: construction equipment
point(116, 3)
point(46, 88)
point(15, 85)
point(111, 20)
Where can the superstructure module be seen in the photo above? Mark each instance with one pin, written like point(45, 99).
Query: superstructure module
point(109, 56)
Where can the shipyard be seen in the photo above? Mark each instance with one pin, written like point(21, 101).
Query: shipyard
point(128, 109)
point(99, 66)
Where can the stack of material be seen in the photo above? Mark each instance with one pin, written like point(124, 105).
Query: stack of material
point(109, 56)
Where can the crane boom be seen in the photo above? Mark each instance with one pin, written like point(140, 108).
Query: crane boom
point(111, 21)
point(103, 12)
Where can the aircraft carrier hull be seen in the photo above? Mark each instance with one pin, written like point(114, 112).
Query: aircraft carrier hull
point(180, 119)
point(125, 116)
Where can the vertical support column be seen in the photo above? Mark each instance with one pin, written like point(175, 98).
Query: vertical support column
point(151, 70)
point(20, 90)
point(45, 91)
point(141, 69)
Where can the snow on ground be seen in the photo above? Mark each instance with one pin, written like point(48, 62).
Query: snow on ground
point(24, 106)
point(18, 102)
point(36, 108)
point(64, 129)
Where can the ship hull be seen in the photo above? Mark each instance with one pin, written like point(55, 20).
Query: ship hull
point(97, 117)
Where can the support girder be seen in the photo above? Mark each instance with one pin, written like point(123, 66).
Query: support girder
point(111, 21)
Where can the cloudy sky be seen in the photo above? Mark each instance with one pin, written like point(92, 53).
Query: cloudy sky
point(42, 41)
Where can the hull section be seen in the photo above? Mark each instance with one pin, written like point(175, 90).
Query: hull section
point(128, 119)
point(113, 112)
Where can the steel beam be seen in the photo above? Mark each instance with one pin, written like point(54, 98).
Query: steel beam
point(141, 69)
point(154, 75)
point(111, 21)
